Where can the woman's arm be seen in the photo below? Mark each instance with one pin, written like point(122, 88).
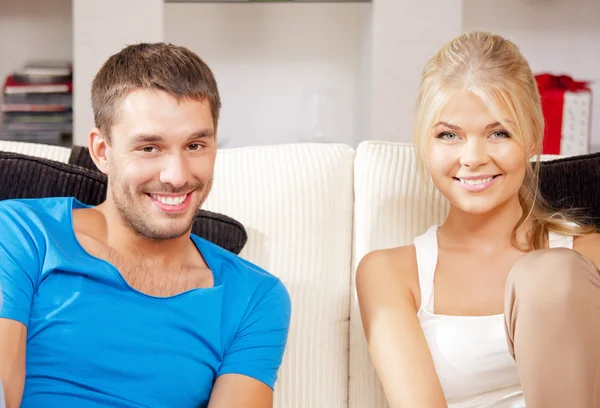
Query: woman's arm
point(394, 335)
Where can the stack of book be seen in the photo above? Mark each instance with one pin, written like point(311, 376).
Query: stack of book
point(38, 104)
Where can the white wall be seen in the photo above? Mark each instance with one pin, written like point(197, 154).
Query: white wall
point(100, 29)
point(33, 30)
point(270, 60)
point(556, 36)
point(365, 57)
point(406, 33)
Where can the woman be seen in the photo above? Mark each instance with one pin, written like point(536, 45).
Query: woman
point(500, 305)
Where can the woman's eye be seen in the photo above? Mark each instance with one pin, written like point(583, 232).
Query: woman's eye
point(447, 136)
point(500, 134)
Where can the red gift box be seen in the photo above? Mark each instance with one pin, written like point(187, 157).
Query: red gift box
point(555, 91)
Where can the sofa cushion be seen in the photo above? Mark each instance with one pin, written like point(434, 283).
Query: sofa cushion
point(296, 203)
point(35, 177)
point(394, 203)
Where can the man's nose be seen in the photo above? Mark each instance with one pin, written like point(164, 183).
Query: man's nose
point(175, 171)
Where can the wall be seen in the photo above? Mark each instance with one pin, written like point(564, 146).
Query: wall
point(286, 72)
point(33, 30)
point(100, 29)
point(406, 33)
point(365, 60)
point(557, 36)
point(268, 57)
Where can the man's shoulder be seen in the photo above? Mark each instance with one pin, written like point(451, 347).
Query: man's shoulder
point(39, 206)
point(34, 214)
point(236, 271)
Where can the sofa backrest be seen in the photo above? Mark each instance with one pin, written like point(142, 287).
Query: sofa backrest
point(296, 204)
point(394, 203)
point(58, 153)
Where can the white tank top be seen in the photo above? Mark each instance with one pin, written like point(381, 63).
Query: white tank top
point(470, 353)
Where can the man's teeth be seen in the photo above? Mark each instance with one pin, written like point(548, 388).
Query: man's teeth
point(169, 200)
point(475, 182)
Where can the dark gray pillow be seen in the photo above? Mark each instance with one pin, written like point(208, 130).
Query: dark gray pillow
point(573, 183)
point(25, 176)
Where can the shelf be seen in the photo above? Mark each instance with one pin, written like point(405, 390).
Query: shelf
point(268, 1)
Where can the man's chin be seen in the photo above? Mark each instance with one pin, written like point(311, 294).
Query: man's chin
point(170, 227)
point(165, 235)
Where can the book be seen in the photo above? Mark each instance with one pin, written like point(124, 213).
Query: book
point(34, 127)
point(35, 108)
point(38, 117)
point(39, 99)
point(12, 86)
point(44, 72)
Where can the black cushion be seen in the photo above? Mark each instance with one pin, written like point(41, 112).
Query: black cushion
point(23, 176)
point(573, 183)
point(80, 156)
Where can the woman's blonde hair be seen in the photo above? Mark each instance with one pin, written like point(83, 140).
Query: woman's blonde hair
point(493, 69)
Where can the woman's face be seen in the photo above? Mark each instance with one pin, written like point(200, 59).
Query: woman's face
point(473, 160)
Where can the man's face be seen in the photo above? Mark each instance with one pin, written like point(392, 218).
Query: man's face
point(161, 160)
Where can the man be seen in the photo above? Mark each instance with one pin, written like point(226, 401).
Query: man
point(119, 305)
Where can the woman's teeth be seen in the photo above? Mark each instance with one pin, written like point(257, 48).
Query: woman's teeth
point(475, 182)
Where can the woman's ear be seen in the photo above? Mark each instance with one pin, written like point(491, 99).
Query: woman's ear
point(98, 146)
point(532, 150)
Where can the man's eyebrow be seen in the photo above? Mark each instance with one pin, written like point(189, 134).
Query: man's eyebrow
point(153, 138)
point(146, 138)
point(202, 134)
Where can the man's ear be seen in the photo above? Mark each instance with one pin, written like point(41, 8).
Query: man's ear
point(98, 146)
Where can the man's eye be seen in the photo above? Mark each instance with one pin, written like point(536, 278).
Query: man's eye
point(194, 146)
point(148, 149)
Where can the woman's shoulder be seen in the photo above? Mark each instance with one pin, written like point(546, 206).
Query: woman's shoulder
point(394, 254)
point(389, 259)
point(392, 269)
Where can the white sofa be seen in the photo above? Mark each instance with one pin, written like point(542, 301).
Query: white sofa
point(312, 211)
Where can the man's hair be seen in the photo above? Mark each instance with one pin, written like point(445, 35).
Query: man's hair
point(158, 66)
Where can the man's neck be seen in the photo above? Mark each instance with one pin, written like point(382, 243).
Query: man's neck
point(124, 240)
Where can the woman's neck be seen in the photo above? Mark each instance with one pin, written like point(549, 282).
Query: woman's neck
point(487, 231)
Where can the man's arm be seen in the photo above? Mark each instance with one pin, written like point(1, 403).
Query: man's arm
point(248, 373)
point(13, 335)
point(240, 391)
point(19, 275)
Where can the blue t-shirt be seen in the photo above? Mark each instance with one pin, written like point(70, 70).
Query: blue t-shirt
point(94, 341)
